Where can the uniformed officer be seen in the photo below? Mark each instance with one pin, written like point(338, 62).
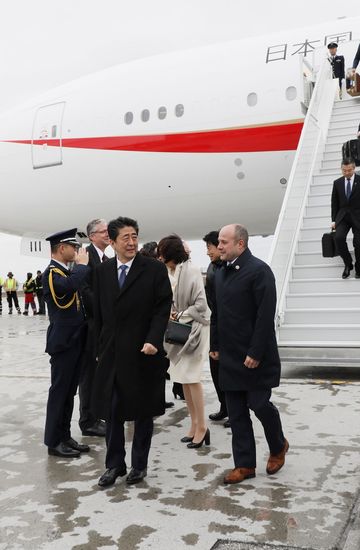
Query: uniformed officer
point(337, 64)
point(65, 339)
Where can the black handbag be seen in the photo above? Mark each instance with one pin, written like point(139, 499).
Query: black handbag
point(177, 333)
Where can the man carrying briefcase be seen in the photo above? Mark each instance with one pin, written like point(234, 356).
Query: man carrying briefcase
point(345, 215)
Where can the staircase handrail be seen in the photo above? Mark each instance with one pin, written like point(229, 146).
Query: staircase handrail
point(311, 120)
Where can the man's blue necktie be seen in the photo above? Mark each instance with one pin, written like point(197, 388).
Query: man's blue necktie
point(348, 189)
point(122, 275)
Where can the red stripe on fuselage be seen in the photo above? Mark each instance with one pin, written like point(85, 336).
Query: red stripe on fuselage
point(276, 137)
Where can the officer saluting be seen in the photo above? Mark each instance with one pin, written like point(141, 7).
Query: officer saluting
point(65, 339)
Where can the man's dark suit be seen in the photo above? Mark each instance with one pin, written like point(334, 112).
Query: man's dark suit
point(87, 418)
point(64, 343)
point(130, 385)
point(346, 215)
point(242, 324)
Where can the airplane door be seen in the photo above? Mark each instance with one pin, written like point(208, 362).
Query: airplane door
point(47, 136)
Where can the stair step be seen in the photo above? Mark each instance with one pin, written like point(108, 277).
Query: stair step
point(333, 148)
point(332, 165)
point(321, 316)
point(321, 271)
point(306, 246)
point(321, 199)
point(318, 210)
point(295, 355)
point(324, 300)
point(322, 188)
point(314, 286)
point(349, 115)
point(330, 335)
point(338, 140)
point(348, 125)
point(333, 156)
point(314, 232)
point(315, 258)
point(314, 222)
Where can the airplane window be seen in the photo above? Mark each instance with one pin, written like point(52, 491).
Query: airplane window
point(291, 93)
point(129, 117)
point(252, 99)
point(145, 115)
point(179, 110)
point(53, 131)
point(162, 112)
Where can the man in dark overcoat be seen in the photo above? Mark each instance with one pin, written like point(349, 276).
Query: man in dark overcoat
point(99, 240)
point(132, 302)
point(65, 339)
point(345, 215)
point(212, 240)
point(243, 340)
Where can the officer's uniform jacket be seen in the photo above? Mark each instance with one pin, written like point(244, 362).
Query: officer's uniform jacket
point(66, 313)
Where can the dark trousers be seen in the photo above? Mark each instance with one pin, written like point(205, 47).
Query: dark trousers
point(214, 369)
point(12, 297)
point(115, 440)
point(65, 372)
point(239, 404)
point(40, 298)
point(0, 298)
point(342, 229)
point(88, 369)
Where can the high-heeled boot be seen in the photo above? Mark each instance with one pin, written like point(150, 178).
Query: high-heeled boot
point(178, 390)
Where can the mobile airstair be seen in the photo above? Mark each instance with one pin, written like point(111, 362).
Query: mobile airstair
point(318, 313)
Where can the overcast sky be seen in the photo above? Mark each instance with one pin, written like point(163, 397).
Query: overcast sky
point(44, 44)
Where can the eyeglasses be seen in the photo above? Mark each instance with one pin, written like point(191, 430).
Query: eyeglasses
point(103, 231)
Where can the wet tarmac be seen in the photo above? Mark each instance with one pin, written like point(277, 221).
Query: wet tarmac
point(52, 503)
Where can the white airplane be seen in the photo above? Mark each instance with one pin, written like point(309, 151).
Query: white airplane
point(183, 142)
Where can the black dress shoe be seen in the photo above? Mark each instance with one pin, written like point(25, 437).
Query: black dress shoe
point(135, 476)
point(63, 451)
point(227, 424)
point(98, 429)
point(346, 271)
point(357, 275)
point(218, 416)
point(109, 477)
point(77, 446)
point(168, 404)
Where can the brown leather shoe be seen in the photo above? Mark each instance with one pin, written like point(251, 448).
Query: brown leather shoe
point(276, 462)
point(239, 474)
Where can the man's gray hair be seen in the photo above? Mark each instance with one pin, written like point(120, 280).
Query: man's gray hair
point(241, 233)
point(91, 226)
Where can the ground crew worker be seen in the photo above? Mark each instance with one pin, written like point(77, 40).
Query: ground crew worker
point(40, 292)
point(10, 287)
point(29, 289)
point(65, 340)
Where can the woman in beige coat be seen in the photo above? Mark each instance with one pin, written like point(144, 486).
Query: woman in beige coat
point(187, 361)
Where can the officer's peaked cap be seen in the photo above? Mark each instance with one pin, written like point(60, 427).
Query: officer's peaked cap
point(66, 237)
point(332, 45)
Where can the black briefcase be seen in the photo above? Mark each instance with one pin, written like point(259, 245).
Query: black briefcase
point(351, 149)
point(328, 245)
